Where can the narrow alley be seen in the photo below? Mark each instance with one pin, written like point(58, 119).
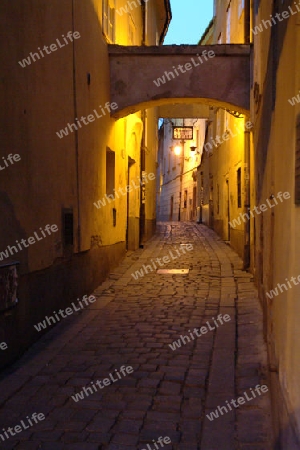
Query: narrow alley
point(161, 379)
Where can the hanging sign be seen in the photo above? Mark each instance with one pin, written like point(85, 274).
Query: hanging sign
point(183, 133)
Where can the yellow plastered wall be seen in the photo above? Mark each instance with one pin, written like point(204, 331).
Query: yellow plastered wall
point(277, 234)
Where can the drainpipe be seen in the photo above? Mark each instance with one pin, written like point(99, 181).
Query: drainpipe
point(76, 136)
point(247, 231)
point(142, 169)
point(247, 200)
point(143, 9)
point(247, 24)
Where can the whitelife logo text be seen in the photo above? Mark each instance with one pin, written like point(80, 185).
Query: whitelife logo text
point(33, 57)
point(86, 120)
point(10, 160)
point(199, 332)
point(259, 209)
point(294, 100)
point(236, 403)
point(130, 4)
point(51, 320)
point(275, 19)
point(86, 391)
point(124, 191)
point(180, 69)
point(274, 292)
point(10, 250)
point(161, 441)
point(228, 134)
point(24, 425)
point(165, 260)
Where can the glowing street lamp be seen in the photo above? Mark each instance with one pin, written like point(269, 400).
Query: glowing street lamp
point(177, 150)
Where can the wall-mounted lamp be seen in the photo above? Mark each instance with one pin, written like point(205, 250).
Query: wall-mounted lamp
point(194, 150)
point(177, 150)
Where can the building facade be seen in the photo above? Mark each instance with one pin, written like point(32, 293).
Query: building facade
point(249, 183)
point(224, 173)
point(76, 168)
point(177, 196)
point(275, 113)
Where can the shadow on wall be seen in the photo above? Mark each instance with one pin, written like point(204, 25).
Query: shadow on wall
point(287, 440)
point(10, 231)
point(268, 91)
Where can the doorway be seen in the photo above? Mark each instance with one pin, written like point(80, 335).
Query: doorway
point(227, 203)
point(131, 229)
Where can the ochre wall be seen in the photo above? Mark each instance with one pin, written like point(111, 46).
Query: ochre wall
point(277, 76)
point(36, 102)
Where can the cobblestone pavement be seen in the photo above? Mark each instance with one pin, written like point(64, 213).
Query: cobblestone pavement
point(170, 392)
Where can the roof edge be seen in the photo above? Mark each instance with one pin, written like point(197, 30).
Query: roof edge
point(209, 26)
point(167, 22)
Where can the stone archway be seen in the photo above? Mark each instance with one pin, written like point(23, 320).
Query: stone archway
point(145, 77)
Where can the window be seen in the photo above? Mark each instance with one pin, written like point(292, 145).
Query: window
point(131, 30)
point(108, 19)
point(226, 121)
point(110, 172)
point(239, 188)
point(218, 127)
point(68, 228)
point(297, 163)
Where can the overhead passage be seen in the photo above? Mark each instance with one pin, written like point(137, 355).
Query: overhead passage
point(215, 75)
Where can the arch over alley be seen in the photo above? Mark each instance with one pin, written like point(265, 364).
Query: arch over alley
point(144, 77)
